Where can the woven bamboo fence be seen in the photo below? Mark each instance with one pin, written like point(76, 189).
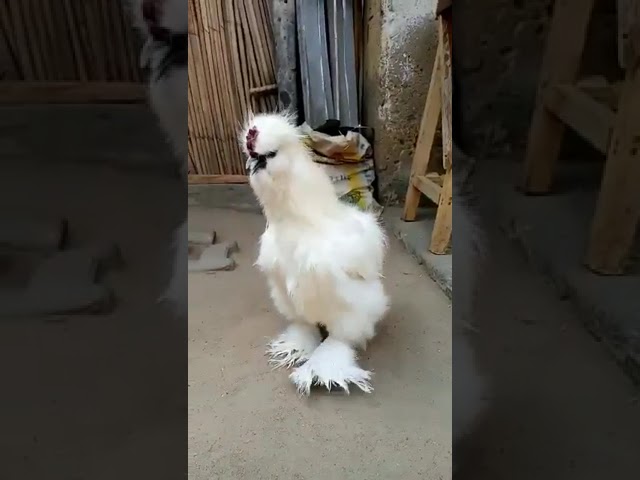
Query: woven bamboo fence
point(231, 70)
point(84, 51)
point(66, 50)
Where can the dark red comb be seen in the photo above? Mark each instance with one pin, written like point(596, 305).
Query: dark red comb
point(252, 135)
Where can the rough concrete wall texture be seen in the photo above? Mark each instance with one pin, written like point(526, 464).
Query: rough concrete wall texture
point(401, 42)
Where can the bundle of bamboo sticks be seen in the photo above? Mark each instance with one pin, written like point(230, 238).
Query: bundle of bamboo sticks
point(231, 61)
point(68, 40)
point(231, 70)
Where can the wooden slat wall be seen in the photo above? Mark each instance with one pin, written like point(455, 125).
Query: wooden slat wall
point(87, 50)
point(67, 41)
point(231, 70)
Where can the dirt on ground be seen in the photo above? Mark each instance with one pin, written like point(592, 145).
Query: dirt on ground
point(246, 420)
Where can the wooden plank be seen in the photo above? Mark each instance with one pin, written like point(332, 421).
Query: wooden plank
point(591, 119)
point(441, 235)
point(430, 185)
point(618, 208)
point(426, 136)
point(267, 89)
point(71, 92)
point(560, 65)
point(217, 179)
point(445, 32)
point(599, 89)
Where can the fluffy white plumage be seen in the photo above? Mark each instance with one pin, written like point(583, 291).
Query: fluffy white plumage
point(322, 259)
point(168, 96)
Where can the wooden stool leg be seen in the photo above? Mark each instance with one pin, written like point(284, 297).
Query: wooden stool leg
point(618, 208)
point(441, 236)
point(561, 63)
point(426, 137)
point(446, 89)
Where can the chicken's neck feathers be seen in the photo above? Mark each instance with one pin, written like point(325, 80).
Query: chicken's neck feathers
point(306, 195)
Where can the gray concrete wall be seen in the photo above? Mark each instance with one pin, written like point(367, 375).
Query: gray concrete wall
point(401, 40)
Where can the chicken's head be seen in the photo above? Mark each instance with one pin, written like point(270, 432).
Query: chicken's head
point(271, 143)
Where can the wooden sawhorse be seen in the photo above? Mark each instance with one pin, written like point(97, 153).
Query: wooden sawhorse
point(424, 180)
point(612, 129)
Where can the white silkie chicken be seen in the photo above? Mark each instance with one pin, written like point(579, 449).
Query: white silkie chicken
point(164, 26)
point(322, 259)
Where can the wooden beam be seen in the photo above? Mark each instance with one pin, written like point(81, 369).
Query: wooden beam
point(618, 209)
point(426, 136)
point(430, 185)
point(441, 235)
point(591, 119)
point(605, 93)
point(267, 89)
point(71, 92)
point(446, 33)
point(561, 64)
point(217, 179)
point(438, 106)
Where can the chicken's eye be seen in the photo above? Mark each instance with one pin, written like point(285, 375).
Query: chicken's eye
point(266, 156)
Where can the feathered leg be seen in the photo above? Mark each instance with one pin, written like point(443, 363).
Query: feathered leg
point(296, 344)
point(335, 361)
point(332, 363)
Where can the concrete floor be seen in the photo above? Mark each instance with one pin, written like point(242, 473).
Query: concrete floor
point(246, 421)
point(416, 236)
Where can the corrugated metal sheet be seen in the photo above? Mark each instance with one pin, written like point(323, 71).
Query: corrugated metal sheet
point(342, 60)
point(314, 62)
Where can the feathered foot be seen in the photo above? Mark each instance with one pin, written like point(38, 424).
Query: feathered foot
point(294, 346)
point(332, 363)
